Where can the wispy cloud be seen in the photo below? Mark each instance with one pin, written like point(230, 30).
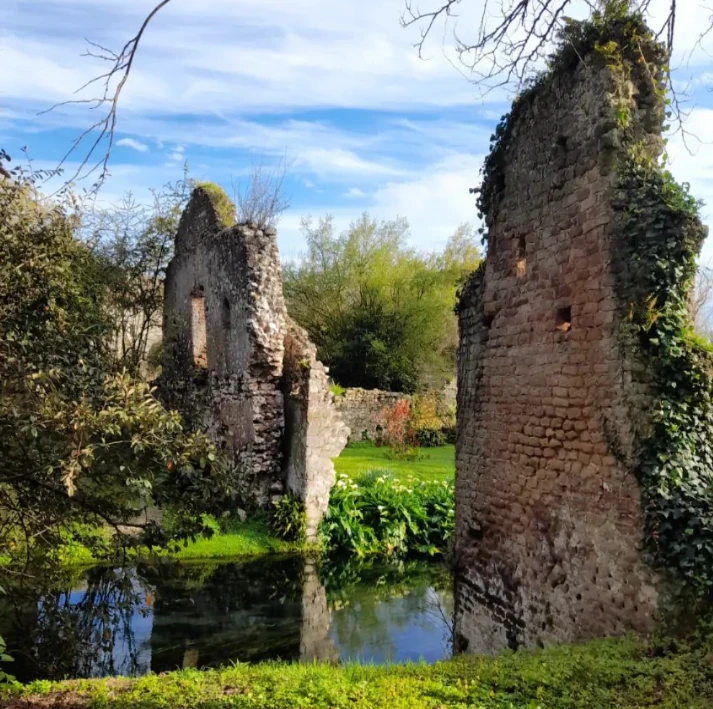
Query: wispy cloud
point(133, 144)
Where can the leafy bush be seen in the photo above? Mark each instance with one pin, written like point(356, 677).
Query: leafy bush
point(376, 514)
point(288, 519)
point(429, 437)
point(79, 442)
point(394, 425)
point(4, 657)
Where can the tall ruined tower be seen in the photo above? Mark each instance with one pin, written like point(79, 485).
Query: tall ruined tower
point(237, 367)
point(555, 389)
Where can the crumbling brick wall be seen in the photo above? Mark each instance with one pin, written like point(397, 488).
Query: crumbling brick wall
point(315, 432)
point(551, 393)
point(225, 325)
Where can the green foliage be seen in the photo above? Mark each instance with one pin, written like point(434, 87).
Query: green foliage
point(337, 389)
point(661, 237)
point(223, 205)
point(288, 519)
point(430, 437)
point(379, 312)
point(133, 244)
point(4, 657)
point(377, 514)
point(78, 442)
point(609, 674)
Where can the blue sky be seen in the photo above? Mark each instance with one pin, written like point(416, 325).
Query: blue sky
point(336, 85)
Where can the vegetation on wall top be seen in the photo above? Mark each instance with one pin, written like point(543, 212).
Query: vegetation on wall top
point(222, 204)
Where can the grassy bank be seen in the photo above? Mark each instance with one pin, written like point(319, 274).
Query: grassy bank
point(599, 675)
point(237, 540)
point(234, 539)
point(432, 463)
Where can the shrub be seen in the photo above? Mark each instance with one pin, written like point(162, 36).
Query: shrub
point(378, 515)
point(394, 422)
point(288, 519)
point(429, 437)
point(337, 389)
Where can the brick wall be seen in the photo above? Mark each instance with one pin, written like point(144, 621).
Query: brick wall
point(550, 389)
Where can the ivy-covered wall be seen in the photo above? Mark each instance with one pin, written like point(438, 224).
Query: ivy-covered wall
point(582, 458)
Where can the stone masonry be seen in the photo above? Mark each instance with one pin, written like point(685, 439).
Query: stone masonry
point(551, 393)
point(360, 408)
point(315, 432)
point(225, 329)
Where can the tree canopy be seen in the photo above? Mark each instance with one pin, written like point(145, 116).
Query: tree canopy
point(380, 312)
point(79, 440)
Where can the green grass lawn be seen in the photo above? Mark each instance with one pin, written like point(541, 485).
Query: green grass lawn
point(609, 674)
point(434, 463)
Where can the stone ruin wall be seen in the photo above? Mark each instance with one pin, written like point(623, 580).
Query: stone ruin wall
point(360, 408)
point(225, 330)
point(315, 432)
point(550, 391)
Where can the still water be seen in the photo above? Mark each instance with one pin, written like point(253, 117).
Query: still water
point(130, 621)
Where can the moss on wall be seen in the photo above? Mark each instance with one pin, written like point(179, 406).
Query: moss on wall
point(223, 205)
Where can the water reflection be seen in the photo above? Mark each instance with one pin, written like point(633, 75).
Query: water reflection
point(129, 621)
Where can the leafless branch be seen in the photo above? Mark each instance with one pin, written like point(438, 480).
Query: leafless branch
point(513, 38)
point(112, 82)
point(261, 199)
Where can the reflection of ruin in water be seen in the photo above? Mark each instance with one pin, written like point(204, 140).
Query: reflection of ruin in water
point(154, 619)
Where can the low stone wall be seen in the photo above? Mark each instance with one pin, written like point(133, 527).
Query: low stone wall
point(360, 409)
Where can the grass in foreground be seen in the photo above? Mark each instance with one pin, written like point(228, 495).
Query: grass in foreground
point(435, 463)
point(600, 675)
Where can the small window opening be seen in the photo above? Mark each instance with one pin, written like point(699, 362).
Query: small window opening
point(488, 320)
point(225, 314)
point(198, 330)
point(564, 319)
point(521, 257)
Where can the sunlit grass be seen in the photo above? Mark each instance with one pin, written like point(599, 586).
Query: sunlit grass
point(603, 674)
point(432, 464)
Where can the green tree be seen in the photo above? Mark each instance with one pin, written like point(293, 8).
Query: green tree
point(78, 441)
point(379, 311)
point(133, 243)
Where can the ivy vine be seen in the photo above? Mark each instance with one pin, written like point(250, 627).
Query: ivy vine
point(659, 236)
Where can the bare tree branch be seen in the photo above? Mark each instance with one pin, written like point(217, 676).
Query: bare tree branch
point(261, 199)
point(104, 128)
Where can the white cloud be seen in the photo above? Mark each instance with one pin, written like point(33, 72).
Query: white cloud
point(435, 201)
point(133, 144)
point(354, 192)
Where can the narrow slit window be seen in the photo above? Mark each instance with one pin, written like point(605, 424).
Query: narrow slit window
point(521, 260)
point(564, 319)
point(198, 331)
point(225, 315)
